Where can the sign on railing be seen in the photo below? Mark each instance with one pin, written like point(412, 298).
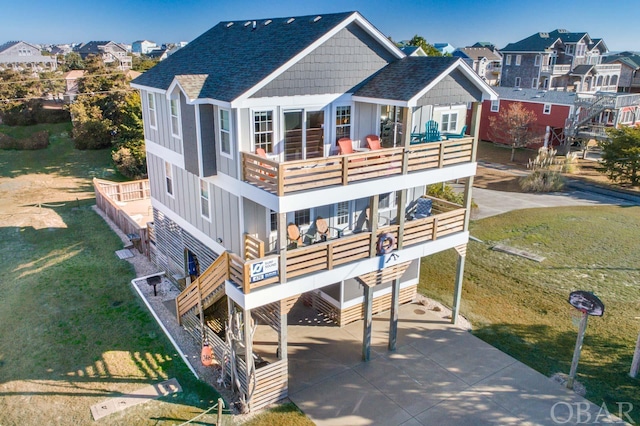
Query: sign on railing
point(264, 269)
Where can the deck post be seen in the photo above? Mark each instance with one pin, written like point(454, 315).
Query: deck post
point(402, 200)
point(282, 338)
point(373, 224)
point(393, 316)
point(457, 292)
point(368, 319)
point(476, 116)
point(248, 345)
point(282, 246)
point(468, 186)
point(406, 125)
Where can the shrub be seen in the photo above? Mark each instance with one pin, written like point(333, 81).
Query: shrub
point(444, 191)
point(38, 140)
point(543, 180)
point(31, 112)
point(130, 159)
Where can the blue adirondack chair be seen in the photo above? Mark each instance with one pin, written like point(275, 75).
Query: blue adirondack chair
point(432, 134)
point(457, 135)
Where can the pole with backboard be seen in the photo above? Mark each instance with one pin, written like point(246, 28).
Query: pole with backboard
point(588, 304)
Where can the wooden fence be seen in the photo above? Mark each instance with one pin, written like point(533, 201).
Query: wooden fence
point(109, 194)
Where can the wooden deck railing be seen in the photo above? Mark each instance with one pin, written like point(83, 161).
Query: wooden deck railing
point(109, 194)
point(447, 218)
point(293, 176)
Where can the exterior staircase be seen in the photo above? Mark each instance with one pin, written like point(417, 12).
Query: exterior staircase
point(586, 109)
point(206, 290)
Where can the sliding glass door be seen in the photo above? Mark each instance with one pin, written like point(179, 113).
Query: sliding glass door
point(299, 144)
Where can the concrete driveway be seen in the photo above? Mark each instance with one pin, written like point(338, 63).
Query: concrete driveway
point(439, 375)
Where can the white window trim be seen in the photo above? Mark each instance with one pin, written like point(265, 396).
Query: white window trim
point(335, 118)
point(151, 99)
point(537, 61)
point(169, 178)
point(219, 122)
point(495, 104)
point(517, 82)
point(534, 83)
point(176, 133)
point(546, 109)
point(507, 60)
point(449, 114)
point(207, 218)
point(518, 60)
point(273, 128)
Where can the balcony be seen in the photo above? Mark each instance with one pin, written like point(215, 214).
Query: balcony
point(283, 178)
point(600, 68)
point(447, 218)
point(556, 69)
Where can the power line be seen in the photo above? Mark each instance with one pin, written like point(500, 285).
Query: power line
point(76, 94)
point(54, 79)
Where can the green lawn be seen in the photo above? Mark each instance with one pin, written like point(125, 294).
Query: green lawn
point(520, 306)
point(73, 331)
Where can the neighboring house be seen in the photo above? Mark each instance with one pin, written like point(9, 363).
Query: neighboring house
point(444, 48)
point(143, 46)
point(559, 60)
point(19, 55)
point(486, 44)
point(110, 52)
point(71, 84)
point(61, 49)
point(629, 81)
point(486, 62)
point(253, 201)
point(413, 51)
point(552, 110)
point(159, 54)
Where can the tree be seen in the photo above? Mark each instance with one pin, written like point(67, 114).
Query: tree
point(142, 63)
point(420, 41)
point(73, 61)
point(515, 125)
point(621, 155)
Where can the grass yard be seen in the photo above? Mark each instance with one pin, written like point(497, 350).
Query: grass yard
point(520, 306)
point(73, 331)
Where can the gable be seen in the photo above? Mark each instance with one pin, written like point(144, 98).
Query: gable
point(454, 88)
point(339, 65)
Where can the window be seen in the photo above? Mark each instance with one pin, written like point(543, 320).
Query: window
point(495, 105)
point(342, 213)
point(534, 83)
point(517, 83)
point(547, 109)
point(168, 177)
point(343, 122)
point(302, 217)
point(507, 60)
point(569, 49)
point(175, 117)
point(537, 61)
point(273, 221)
point(204, 199)
point(449, 122)
point(225, 133)
point(518, 60)
point(151, 100)
point(384, 201)
point(581, 49)
point(263, 130)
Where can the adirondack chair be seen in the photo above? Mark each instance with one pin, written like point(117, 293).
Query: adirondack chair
point(374, 142)
point(456, 135)
point(345, 145)
point(432, 134)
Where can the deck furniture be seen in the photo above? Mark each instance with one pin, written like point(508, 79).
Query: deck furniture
point(456, 135)
point(345, 146)
point(432, 134)
point(373, 141)
point(293, 235)
point(423, 208)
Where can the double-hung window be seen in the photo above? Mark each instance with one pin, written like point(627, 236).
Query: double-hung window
point(175, 117)
point(507, 60)
point(518, 60)
point(168, 178)
point(263, 130)
point(204, 199)
point(449, 122)
point(151, 101)
point(547, 109)
point(342, 213)
point(225, 132)
point(517, 82)
point(495, 105)
point(302, 217)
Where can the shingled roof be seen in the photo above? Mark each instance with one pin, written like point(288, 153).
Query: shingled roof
point(539, 42)
point(234, 56)
point(404, 79)
point(479, 52)
point(630, 59)
point(535, 95)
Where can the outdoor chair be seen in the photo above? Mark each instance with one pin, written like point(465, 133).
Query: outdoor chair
point(374, 142)
point(423, 208)
point(345, 146)
point(432, 134)
point(293, 235)
point(456, 135)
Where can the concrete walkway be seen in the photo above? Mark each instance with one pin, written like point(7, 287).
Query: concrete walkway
point(439, 375)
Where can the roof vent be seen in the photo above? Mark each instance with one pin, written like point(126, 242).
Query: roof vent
point(246, 24)
point(254, 24)
point(267, 22)
point(544, 35)
point(290, 20)
point(229, 24)
point(562, 31)
point(537, 96)
point(317, 18)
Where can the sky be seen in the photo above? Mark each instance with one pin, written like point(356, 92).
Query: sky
point(458, 22)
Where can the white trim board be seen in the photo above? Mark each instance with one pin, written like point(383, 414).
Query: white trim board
point(166, 154)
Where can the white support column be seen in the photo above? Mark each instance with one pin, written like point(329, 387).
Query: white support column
point(282, 338)
point(368, 319)
point(457, 292)
point(282, 246)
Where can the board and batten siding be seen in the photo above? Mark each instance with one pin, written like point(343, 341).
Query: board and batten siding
point(189, 136)
point(366, 121)
point(224, 222)
point(162, 133)
point(224, 163)
point(207, 141)
point(337, 66)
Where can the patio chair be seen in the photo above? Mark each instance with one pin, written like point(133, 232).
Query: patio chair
point(432, 134)
point(293, 235)
point(322, 228)
point(456, 135)
point(345, 146)
point(423, 208)
point(374, 142)
point(261, 152)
